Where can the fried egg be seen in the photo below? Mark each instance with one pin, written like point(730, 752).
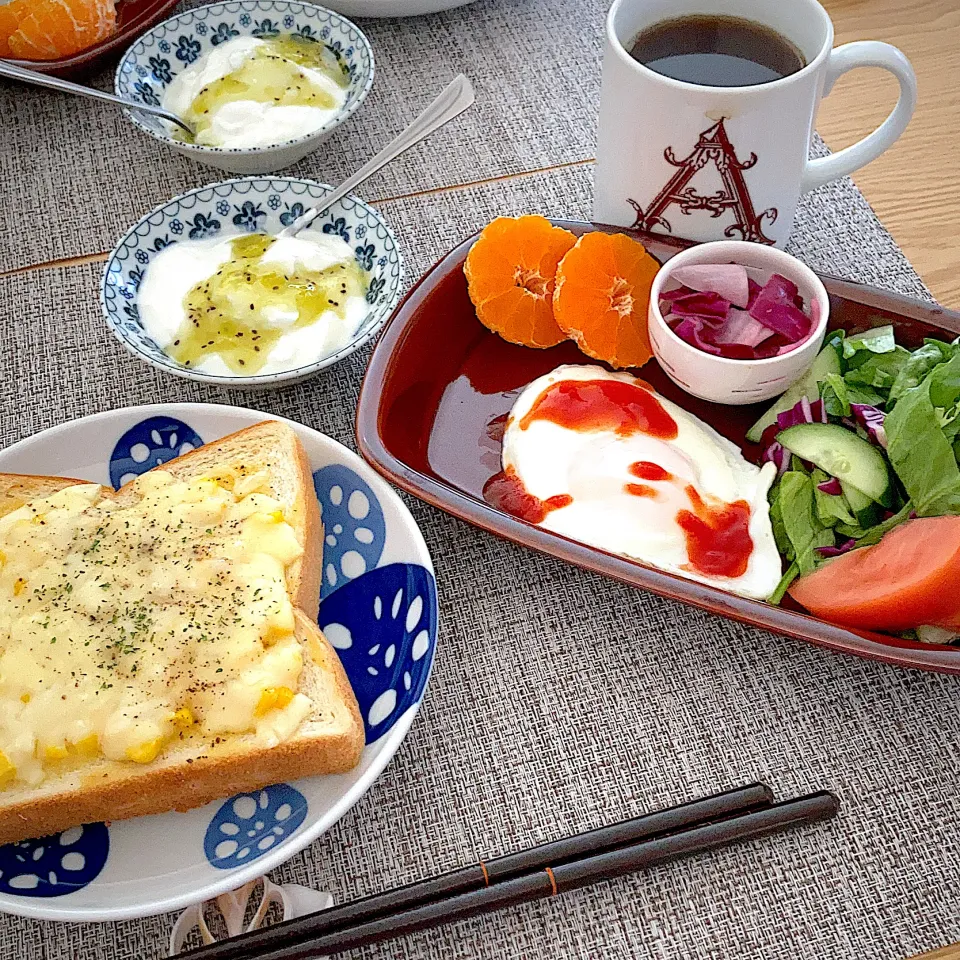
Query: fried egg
point(602, 458)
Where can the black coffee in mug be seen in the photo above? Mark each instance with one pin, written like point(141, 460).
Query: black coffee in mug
point(717, 51)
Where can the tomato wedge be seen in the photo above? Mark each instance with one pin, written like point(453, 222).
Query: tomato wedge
point(910, 578)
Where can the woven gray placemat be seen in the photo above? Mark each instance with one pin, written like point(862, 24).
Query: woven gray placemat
point(534, 66)
point(561, 701)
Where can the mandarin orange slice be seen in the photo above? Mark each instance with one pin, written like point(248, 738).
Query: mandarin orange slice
point(51, 29)
point(601, 297)
point(10, 16)
point(510, 274)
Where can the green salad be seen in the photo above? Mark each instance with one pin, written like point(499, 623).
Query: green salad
point(868, 438)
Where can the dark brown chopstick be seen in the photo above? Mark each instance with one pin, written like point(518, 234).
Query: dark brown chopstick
point(570, 876)
point(478, 876)
point(483, 875)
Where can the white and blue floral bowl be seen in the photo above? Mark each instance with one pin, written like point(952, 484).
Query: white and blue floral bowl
point(235, 207)
point(150, 65)
point(378, 608)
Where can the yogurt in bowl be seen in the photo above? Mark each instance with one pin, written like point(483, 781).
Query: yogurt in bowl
point(252, 92)
point(203, 288)
point(261, 82)
point(253, 304)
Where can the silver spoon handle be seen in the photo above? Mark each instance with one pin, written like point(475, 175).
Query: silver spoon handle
point(14, 72)
point(454, 99)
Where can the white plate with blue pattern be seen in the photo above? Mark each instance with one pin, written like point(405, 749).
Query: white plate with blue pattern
point(378, 608)
point(233, 208)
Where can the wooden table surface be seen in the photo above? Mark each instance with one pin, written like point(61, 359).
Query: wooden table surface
point(913, 186)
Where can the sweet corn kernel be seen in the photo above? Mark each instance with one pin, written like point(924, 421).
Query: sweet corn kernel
point(19, 586)
point(7, 770)
point(183, 718)
point(3, 558)
point(88, 746)
point(273, 633)
point(145, 752)
point(273, 698)
point(24, 697)
point(55, 752)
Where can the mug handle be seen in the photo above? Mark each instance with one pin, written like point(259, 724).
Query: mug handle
point(864, 53)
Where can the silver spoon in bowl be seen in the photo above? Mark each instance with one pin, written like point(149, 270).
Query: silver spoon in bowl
point(14, 72)
point(455, 98)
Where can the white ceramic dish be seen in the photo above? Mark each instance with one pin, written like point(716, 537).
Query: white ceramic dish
point(394, 8)
point(383, 622)
point(236, 207)
point(728, 381)
point(150, 65)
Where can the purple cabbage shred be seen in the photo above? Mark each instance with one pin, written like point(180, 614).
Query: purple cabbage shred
point(871, 419)
point(844, 547)
point(831, 486)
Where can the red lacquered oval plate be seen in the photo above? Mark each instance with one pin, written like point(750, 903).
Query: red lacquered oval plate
point(439, 387)
point(133, 18)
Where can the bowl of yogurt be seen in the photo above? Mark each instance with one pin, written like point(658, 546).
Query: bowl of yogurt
point(261, 82)
point(203, 287)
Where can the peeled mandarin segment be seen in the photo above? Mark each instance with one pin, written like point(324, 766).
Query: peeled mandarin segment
point(60, 28)
point(602, 295)
point(510, 273)
point(530, 325)
point(10, 16)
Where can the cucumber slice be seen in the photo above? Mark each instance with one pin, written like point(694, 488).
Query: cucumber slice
point(842, 454)
point(808, 386)
point(863, 508)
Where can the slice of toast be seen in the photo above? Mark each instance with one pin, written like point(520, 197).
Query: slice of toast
point(194, 770)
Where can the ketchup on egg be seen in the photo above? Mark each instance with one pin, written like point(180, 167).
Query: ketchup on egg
point(506, 491)
point(595, 405)
point(717, 535)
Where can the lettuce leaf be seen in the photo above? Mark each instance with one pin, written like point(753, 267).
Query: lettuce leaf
point(920, 363)
point(944, 381)
point(776, 522)
point(830, 508)
point(922, 455)
point(875, 533)
point(835, 395)
point(878, 370)
point(876, 340)
point(800, 523)
point(791, 574)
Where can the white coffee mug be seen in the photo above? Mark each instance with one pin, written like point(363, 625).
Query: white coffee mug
point(714, 163)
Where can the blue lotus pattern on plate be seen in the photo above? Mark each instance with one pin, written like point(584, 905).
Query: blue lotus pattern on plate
point(203, 227)
point(182, 40)
point(248, 216)
point(238, 206)
point(384, 627)
point(57, 865)
point(353, 526)
point(248, 825)
point(338, 227)
point(149, 444)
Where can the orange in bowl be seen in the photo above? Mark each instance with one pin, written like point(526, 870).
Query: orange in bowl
point(50, 29)
point(601, 297)
point(510, 274)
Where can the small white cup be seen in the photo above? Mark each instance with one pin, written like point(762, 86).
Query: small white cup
point(737, 382)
